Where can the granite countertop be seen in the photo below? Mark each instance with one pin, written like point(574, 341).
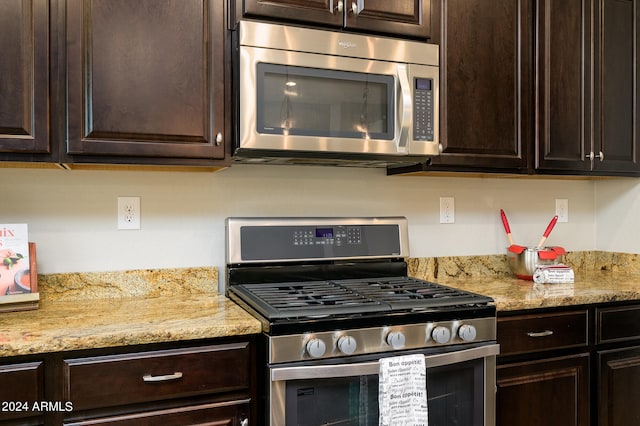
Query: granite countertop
point(511, 294)
point(97, 310)
point(600, 277)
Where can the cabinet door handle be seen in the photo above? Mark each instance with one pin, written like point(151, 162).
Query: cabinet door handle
point(244, 422)
point(592, 155)
point(163, 378)
point(340, 6)
point(218, 139)
point(354, 8)
point(540, 333)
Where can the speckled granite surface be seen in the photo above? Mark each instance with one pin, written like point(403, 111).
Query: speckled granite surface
point(600, 278)
point(95, 310)
point(135, 283)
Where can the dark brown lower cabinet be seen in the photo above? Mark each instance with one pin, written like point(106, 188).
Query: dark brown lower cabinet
point(543, 373)
point(220, 414)
point(21, 386)
point(210, 383)
point(619, 385)
point(548, 392)
point(183, 386)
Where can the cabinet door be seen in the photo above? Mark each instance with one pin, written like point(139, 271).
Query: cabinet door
point(402, 17)
point(486, 89)
point(619, 387)
point(21, 385)
point(145, 78)
point(618, 79)
point(24, 77)
point(551, 392)
point(563, 39)
point(314, 11)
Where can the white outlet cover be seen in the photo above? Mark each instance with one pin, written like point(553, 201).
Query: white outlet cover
point(128, 212)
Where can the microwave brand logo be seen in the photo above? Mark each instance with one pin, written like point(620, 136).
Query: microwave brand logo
point(347, 44)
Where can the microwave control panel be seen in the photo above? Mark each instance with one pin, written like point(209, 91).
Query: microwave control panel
point(423, 99)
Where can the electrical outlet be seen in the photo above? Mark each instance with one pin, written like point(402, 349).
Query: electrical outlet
point(128, 212)
point(562, 209)
point(447, 210)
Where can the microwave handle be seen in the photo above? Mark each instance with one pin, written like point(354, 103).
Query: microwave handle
point(405, 106)
point(373, 367)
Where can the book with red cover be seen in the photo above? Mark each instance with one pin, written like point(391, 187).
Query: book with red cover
point(18, 277)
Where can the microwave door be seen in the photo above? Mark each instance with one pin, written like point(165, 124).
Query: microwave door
point(297, 101)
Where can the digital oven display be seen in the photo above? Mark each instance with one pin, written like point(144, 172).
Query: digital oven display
point(324, 232)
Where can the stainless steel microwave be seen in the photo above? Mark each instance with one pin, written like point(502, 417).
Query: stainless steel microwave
point(326, 97)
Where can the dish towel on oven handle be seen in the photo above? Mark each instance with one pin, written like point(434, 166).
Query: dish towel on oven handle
point(402, 394)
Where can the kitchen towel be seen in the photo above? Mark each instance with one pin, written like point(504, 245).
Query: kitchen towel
point(402, 394)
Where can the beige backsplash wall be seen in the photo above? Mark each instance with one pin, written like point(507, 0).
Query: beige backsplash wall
point(72, 214)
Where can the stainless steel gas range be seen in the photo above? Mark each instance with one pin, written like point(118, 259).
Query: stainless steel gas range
point(334, 300)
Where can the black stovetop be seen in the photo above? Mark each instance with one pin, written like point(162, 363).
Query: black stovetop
point(321, 305)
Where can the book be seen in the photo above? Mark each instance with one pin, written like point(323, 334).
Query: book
point(18, 277)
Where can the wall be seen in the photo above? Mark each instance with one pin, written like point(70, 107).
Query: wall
point(618, 215)
point(72, 214)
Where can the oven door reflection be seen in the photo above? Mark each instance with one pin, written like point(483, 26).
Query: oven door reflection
point(460, 391)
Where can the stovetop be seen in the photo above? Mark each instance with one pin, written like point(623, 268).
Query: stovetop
point(295, 307)
point(300, 300)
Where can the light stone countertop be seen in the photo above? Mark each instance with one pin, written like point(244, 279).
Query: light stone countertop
point(97, 310)
point(166, 306)
point(600, 277)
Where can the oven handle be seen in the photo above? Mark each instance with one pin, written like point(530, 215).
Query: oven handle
point(373, 367)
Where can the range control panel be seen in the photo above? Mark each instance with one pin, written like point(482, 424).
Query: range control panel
point(248, 240)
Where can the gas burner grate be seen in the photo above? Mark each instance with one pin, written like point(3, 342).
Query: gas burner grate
point(412, 293)
point(307, 299)
point(352, 296)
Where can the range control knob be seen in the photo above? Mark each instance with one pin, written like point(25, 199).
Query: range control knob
point(467, 333)
point(441, 334)
point(396, 339)
point(316, 348)
point(347, 345)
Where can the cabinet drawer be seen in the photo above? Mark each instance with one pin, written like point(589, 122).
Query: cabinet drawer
point(617, 324)
point(152, 376)
point(226, 413)
point(20, 386)
point(538, 332)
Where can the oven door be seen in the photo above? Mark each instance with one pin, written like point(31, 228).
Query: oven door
point(307, 102)
point(460, 391)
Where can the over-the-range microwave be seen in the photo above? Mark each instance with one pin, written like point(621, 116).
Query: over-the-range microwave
point(309, 96)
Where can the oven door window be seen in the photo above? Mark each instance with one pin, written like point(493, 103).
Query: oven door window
point(455, 397)
point(302, 101)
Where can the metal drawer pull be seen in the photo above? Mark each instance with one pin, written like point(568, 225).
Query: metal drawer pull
point(163, 378)
point(540, 333)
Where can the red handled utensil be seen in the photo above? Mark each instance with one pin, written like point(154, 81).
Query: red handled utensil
point(512, 247)
point(547, 231)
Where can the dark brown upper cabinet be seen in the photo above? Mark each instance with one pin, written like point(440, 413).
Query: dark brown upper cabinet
point(401, 17)
point(486, 86)
point(24, 81)
point(564, 75)
point(617, 87)
point(588, 104)
point(145, 81)
point(546, 87)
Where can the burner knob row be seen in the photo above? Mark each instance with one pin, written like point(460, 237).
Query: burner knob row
point(316, 347)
